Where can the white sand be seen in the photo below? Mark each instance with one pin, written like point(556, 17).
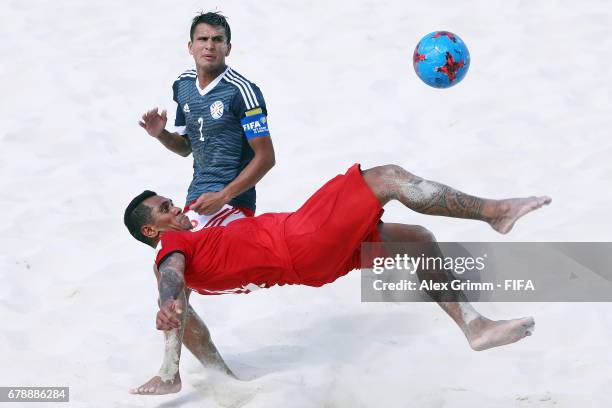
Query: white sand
point(78, 300)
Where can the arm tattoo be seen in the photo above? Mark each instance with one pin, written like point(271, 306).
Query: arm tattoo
point(172, 280)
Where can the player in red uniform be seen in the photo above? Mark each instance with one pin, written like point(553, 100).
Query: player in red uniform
point(312, 246)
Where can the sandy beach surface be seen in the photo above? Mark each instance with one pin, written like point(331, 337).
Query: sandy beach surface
point(78, 298)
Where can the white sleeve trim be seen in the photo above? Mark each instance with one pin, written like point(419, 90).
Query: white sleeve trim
point(181, 130)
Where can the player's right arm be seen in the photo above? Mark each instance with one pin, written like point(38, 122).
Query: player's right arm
point(154, 123)
point(172, 289)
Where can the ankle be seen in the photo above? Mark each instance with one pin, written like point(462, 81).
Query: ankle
point(169, 377)
point(492, 209)
point(477, 326)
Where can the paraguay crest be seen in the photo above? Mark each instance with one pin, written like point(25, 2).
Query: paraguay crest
point(216, 109)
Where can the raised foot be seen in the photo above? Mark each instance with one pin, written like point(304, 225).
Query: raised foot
point(485, 334)
point(510, 210)
point(155, 386)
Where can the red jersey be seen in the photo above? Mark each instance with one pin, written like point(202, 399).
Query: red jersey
point(312, 246)
point(247, 254)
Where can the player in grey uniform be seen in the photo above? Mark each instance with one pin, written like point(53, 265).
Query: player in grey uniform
point(221, 119)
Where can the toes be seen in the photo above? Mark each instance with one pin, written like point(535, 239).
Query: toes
point(544, 200)
point(143, 390)
point(529, 326)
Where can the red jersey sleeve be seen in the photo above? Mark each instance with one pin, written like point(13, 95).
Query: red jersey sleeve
point(171, 242)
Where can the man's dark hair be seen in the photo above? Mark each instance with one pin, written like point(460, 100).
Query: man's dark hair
point(212, 18)
point(137, 214)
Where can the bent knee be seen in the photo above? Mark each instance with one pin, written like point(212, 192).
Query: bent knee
point(422, 234)
point(385, 171)
point(392, 232)
point(389, 175)
point(385, 181)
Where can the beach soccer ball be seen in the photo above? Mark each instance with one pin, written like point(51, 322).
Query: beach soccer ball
point(441, 59)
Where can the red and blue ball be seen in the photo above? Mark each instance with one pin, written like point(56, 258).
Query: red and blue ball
point(441, 59)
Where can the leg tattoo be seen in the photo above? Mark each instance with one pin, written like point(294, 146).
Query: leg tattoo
point(432, 198)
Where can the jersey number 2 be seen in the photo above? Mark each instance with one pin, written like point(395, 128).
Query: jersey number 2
point(201, 122)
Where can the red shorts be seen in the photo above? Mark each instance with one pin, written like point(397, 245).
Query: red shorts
point(324, 236)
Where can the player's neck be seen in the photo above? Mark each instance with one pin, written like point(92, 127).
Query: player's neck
point(155, 242)
point(206, 77)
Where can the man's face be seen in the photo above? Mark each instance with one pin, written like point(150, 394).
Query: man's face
point(209, 47)
point(166, 217)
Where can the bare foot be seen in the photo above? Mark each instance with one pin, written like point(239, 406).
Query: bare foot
point(155, 386)
point(484, 333)
point(510, 210)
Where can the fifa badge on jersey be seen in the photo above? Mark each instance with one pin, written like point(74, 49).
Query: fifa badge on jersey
point(216, 109)
point(255, 124)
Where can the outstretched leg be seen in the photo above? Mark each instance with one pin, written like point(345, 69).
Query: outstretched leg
point(392, 182)
point(480, 332)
